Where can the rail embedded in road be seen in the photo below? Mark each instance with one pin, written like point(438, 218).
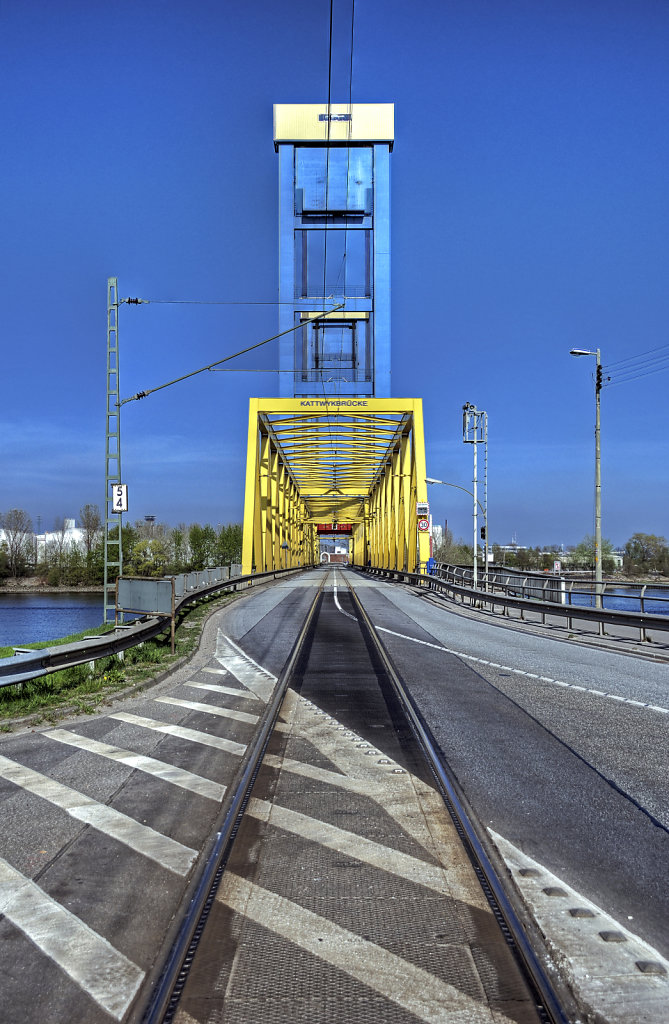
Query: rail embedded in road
point(348, 885)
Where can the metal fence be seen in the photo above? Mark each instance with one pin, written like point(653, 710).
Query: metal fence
point(30, 664)
point(641, 597)
point(505, 601)
point(518, 584)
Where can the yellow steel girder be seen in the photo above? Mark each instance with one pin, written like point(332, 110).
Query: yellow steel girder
point(309, 461)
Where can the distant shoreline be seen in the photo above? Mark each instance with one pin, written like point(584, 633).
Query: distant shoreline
point(33, 585)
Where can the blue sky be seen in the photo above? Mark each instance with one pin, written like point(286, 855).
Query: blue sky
point(530, 215)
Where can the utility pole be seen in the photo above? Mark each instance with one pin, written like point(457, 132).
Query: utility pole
point(598, 486)
point(598, 470)
point(475, 432)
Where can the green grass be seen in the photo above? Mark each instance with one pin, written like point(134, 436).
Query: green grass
point(79, 690)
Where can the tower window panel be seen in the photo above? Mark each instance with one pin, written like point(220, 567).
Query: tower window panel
point(331, 350)
point(333, 178)
point(335, 347)
point(335, 262)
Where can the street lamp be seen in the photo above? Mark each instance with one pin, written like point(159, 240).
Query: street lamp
point(598, 476)
point(477, 505)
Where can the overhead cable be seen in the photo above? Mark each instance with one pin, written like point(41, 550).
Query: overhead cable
point(226, 359)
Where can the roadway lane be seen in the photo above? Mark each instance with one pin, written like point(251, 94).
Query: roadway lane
point(348, 896)
point(561, 750)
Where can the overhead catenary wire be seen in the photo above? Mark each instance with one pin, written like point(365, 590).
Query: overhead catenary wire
point(226, 359)
point(203, 302)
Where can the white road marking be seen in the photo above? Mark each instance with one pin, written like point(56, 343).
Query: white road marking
point(192, 735)
point(414, 989)
point(605, 974)
point(247, 671)
point(215, 688)
point(164, 851)
point(210, 709)
point(92, 963)
point(336, 599)
point(150, 765)
point(527, 675)
point(361, 774)
point(365, 850)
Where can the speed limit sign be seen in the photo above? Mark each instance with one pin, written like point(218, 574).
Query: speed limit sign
point(423, 525)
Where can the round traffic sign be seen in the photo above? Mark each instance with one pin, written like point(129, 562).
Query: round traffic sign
point(423, 525)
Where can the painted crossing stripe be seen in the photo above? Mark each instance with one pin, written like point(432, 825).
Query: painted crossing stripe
point(164, 851)
point(528, 675)
point(351, 845)
point(210, 709)
point(149, 765)
point(425, 996)
point(91, 962)
point(231, 747)
point(215, 688)
point(247, 671)
point(192, 735)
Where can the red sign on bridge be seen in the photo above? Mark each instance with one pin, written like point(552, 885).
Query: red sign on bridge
point(334, 528)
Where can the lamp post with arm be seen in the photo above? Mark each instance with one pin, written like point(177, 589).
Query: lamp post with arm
point(478, 505)
point(598, 476)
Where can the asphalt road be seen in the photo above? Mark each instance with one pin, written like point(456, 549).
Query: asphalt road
point(559, 748)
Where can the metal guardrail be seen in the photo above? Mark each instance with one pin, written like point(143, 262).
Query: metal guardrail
point(492, 600)
point(558, 589)
point(510, 581)
point(31, 664)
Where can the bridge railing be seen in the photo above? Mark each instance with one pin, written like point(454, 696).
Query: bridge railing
point(560, 589)
point(31, 664)
point(510, 581)
point(504, 602)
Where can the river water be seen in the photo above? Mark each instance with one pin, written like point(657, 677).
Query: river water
point(626, 599)
point(30, 618)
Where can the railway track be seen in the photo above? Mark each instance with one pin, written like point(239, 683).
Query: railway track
point(347, 882)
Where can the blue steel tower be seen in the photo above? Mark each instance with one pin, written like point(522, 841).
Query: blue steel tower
point(334, 247)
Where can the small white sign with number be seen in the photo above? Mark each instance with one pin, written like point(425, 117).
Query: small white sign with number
point(423, 525)
point(119, 497)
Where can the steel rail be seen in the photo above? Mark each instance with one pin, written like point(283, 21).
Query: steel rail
point(26, 666)
point(642, 621)
point(542, 987)
point(163, 1000)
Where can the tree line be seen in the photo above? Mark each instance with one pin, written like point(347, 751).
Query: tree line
point(644, 554)
point(149, 549)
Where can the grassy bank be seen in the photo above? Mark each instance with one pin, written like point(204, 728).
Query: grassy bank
point(78, 690)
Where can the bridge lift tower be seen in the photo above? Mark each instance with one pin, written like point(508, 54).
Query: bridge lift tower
point(335, 448)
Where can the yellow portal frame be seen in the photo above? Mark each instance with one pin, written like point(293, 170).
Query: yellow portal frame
point(349, 460)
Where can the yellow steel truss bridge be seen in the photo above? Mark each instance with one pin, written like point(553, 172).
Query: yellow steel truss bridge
point(358, 461)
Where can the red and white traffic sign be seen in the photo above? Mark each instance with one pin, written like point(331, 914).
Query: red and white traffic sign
point(423, 525)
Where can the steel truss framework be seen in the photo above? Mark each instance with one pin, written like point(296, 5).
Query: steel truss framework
point(358, 461)
point(112, 521)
